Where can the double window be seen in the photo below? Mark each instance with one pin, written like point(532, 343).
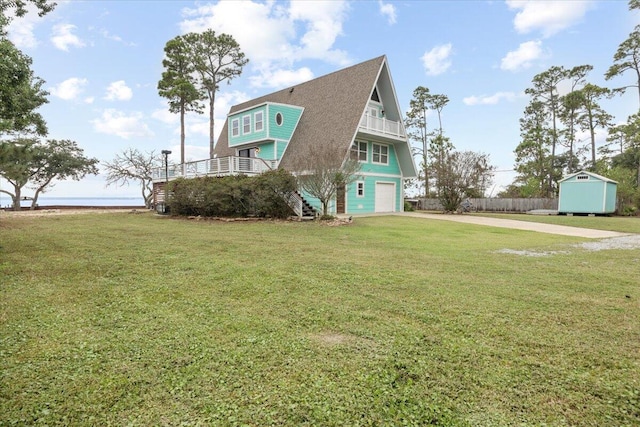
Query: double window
point(359, 151)
point(380, 154)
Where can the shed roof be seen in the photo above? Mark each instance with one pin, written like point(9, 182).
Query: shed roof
point(583, 172)
point(333, 105)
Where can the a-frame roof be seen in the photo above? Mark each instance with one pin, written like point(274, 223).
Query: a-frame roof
point(333, 106)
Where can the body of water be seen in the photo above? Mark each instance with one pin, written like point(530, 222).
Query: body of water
point(5, 201)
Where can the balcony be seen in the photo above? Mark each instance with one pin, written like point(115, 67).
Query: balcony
point(221, 166)
point(382, 126)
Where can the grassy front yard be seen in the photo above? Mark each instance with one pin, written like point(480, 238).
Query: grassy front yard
point(138, 320)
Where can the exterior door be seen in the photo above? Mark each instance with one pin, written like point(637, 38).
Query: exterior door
point(244, 163)
point(340, 200)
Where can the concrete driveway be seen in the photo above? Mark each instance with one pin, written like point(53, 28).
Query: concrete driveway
point(519, 225)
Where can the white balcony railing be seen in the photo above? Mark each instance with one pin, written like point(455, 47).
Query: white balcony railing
point(382, 125)
point(221, 166)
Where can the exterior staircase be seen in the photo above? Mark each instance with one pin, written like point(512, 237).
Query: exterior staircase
point(301, 207)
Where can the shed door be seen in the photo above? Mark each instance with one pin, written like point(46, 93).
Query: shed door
point(385, 197)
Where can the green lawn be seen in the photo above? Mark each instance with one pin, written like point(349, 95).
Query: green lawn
point(120, 319)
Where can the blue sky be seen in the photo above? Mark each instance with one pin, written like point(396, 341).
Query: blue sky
point(102, 60)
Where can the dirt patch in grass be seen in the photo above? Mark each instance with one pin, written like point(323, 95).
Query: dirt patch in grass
point(530, 253)
point(332, 338)
point(624, 242)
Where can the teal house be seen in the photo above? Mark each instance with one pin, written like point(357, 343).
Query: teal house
point(354, 111)
point(587, 193)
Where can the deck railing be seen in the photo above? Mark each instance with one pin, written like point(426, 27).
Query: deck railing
point(382, 125)
point(220, 166)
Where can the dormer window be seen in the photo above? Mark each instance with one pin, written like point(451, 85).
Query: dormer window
point(246, 124)
point(259, 121)
point(235, 127)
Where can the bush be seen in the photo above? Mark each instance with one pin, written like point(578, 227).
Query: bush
point(233, 196)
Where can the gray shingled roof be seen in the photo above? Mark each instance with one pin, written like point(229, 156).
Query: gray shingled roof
point(333, 105)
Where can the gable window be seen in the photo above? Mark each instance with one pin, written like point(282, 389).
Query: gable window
point(374, 95)
point(258, 121)
point(359, 151)
point(582, 177)
point(246, 124)
point(279, 119)
point(380, 154)
point(235, 127)
point(360, 189)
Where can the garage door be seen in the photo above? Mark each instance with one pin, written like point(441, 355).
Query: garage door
point(385, 197)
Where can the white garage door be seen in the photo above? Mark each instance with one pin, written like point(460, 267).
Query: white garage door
point(385, 197)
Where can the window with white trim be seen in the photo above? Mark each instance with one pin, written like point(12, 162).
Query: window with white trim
point(360, 189)
point(380, 154)
point(246, 124)
point(583, 177)
point(359, 151)
point(235, 127)
point(258, 120)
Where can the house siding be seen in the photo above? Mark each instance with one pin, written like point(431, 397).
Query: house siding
point(291, 116)
point(252, 135)
point(366, 204)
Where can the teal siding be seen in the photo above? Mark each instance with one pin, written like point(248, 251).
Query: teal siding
point(291, 116)
point(392, 168)
point(610, 199)
point(280, 147)
point(266, 151)
point(244, 138)
point(367, 203)
point(590, 196)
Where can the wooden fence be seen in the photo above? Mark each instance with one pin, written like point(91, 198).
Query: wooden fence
point(496, 205)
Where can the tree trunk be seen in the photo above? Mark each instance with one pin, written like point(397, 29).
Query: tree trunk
point(182, 138)
point(212, 98)
point(16, 199)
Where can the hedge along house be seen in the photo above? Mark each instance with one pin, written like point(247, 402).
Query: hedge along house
point(587, 193)
point(354, 110)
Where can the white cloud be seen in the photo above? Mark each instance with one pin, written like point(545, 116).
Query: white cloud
point(281, 78)
point(69, 89)
point(114, 122)
point(89, 100)
point(165, 116)
point(63, 37)
point(491, 99)
point(118, 91)
point(107, 35)
point(522, 57)
point(20, 30)
point(550, 17)
point(437, 60)
point(276, 35)
point(388, 10)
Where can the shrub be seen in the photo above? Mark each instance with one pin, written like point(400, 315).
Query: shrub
point(233, 196)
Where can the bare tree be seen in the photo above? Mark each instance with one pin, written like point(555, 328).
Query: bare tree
point(134, 165)
point(463, 174)
point(321, 169)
